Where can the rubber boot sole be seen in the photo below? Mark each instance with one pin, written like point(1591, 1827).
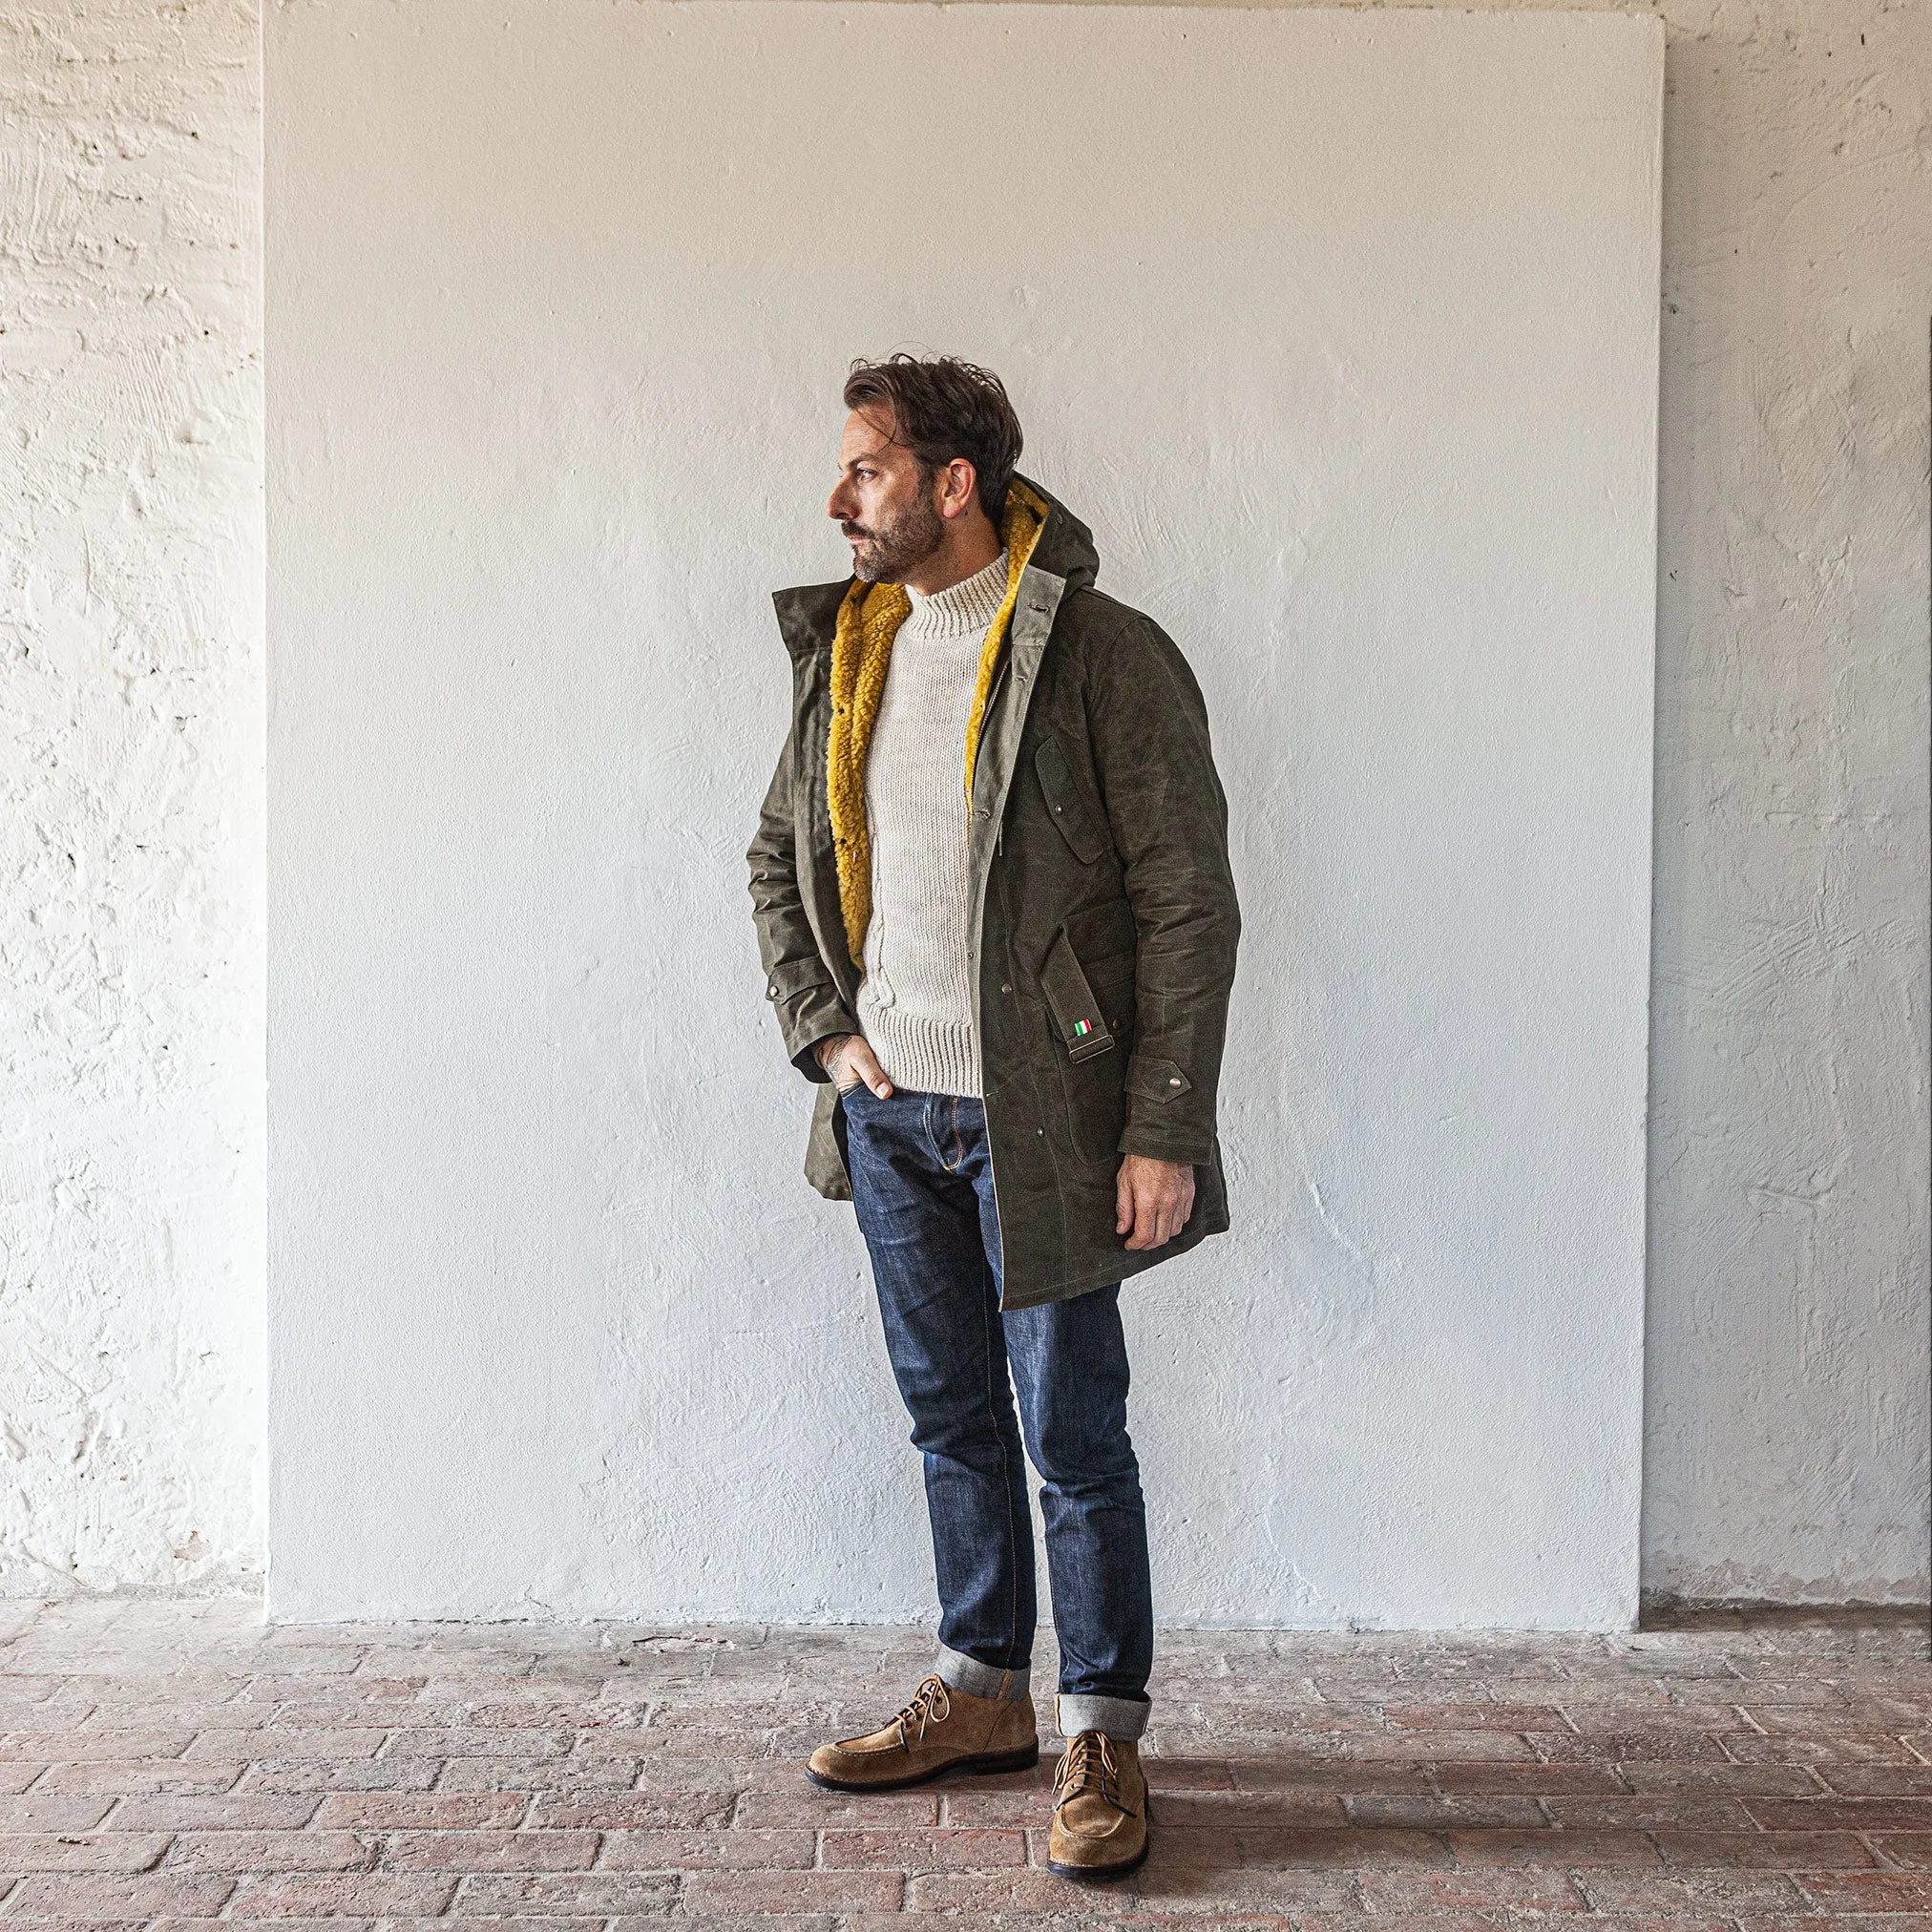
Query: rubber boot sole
point(1000, 1760)
point(1095, 1875)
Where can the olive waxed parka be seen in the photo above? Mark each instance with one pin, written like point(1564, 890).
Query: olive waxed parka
point(1103, 915)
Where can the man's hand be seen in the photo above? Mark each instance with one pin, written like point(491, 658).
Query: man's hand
point(1154, 1199)
point(850, 1062)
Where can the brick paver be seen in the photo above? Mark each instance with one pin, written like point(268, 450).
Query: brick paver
point(164, 1764)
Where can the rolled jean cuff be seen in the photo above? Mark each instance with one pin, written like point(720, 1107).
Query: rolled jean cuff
point(1121, 1717)
point(969, 1674)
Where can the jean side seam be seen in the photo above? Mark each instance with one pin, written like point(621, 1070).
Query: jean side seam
point(1005, 1476)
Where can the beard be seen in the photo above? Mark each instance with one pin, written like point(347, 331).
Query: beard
point(887, 551)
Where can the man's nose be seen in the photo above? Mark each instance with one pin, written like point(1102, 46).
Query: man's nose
point(835, 506)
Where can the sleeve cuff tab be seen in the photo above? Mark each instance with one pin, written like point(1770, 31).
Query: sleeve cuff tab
point(1156, 1079)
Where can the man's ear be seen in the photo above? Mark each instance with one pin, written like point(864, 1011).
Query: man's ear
point(956, 481)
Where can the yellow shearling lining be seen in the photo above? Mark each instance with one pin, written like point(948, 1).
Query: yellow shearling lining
point(869, 619)
point(861, 651)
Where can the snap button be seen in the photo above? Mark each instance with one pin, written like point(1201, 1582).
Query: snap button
point(1174, 1082)
point(1005, 986)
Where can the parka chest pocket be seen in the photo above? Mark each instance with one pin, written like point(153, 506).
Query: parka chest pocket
point(1067, 804)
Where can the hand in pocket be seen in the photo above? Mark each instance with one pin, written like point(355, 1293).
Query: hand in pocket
point(851, 1063)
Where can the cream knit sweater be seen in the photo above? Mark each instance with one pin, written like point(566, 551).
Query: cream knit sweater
point(916, 1000)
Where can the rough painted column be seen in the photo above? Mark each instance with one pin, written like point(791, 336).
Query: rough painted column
point(131, 795)
point(1785, 1354)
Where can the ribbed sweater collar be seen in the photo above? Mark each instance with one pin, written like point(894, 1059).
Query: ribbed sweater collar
point(963, 609)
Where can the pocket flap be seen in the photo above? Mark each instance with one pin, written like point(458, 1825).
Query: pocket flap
point(1156, 1079)
point(1086, 839)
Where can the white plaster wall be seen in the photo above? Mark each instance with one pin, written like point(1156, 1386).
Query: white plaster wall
point(131, 796)
point(1341, 330)
point(1787, 1374)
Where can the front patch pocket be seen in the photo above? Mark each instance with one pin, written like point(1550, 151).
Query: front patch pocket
point(1083, 1029)
point(1066, 803)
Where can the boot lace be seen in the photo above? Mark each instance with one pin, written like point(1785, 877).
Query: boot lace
point(1088, 1764)
point(931, 1703)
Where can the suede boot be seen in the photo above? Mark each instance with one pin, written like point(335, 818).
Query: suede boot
point(941, 1730)
point(1100, 1809)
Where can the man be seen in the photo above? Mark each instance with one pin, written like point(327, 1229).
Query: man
point(994, 904)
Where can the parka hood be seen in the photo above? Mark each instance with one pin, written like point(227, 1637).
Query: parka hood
point(1065, 546)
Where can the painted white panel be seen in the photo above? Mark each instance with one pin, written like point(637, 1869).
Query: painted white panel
point(1340, 329)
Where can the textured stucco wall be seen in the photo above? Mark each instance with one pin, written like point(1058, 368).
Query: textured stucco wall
point(1787, 1426)
point(131, 796)
point(1786, 1353)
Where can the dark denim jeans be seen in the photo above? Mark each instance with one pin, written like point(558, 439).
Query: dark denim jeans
point(922, 1184)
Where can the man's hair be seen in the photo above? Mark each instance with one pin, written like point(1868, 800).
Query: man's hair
point(944, 408)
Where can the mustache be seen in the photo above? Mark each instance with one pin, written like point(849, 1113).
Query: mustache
point(851, 530)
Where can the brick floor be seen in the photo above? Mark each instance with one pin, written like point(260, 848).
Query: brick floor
point(166, 1763)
